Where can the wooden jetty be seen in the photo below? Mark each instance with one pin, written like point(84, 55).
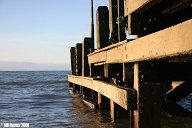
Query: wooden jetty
point(138, 77)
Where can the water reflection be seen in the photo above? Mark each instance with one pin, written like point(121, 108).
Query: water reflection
point(86, 117)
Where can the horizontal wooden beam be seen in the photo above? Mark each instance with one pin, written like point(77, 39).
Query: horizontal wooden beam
point(91, 105)
point(126, 98)
point(173, 41)
point(182, 90)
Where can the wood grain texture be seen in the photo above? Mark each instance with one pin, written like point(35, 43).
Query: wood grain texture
point(122, 97)
point(173, 41)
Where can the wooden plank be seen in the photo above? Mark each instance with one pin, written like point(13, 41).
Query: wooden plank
point(98, 58)
point(181, 91)
point(128, 72)
point(174, 109)
point(173, 41)
point(91, 105)
point(102, 54)
point(123, 97)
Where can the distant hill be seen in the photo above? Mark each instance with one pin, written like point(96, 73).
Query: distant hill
point(28, 66)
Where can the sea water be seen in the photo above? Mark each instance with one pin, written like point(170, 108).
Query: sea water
point(41, 99)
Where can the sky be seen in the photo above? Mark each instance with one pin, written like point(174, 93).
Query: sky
point(42, 31)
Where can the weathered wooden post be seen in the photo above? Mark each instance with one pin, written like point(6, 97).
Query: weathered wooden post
point(113, 14)
point(120, 20)
point(78, 56)
point(78, 65)
point(117, 111)
point(87, 48)
point(103, 102)
point(102, 21)
point(72, 54)
point(148, 113)
point(116, 19)
point(72, 51)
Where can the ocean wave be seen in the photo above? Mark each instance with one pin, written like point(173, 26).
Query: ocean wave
point(56, 81)
point(14, 83)
point(20, 83)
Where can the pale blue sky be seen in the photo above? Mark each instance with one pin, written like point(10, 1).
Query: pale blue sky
point(42, 31)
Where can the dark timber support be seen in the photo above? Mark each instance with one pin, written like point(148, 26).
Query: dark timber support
point(102, 27)
point(174, 95)
point(76, 88)
point(120, 20)
point(117, 112)
point(78, 65)
point(116, 74)
point(113, 74)
point(103, 102)
point(181, 91)
point(174, 109)
point(72, 51)
point(97, 71)
point(78, 58)
point(106, 71)
point(128, 74)
point(70, 84)
point(113, 14)
point(116, 21)
point(148, 113)
point(150, 20)
point(141, 77)
point(87, 48)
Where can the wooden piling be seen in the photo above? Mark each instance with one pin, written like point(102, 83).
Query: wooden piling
point(148, 113)
point(102, 27)
point(103, 102)
point(117, 112)
point(112, 21)
point(78, 58)
point(143, 65)
point(116, 21)
point(112, 109)
point(72, 51)
point(87, 48)
point(121, 20)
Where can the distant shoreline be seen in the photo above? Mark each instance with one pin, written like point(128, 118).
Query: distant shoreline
point(30, 66)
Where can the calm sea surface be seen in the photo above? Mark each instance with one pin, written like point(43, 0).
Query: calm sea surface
point(42, 100)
